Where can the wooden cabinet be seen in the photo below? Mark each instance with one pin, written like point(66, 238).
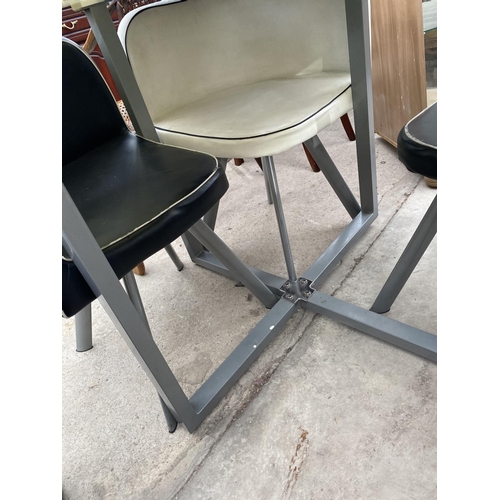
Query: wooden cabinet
point(398, 64)
point(76, 26)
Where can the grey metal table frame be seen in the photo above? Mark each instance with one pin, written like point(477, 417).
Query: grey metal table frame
point(292, 292)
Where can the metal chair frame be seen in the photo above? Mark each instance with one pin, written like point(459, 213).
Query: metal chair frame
point(290, 293)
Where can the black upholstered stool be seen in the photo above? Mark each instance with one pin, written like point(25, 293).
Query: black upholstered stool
point(417, 149)
point(134, 195)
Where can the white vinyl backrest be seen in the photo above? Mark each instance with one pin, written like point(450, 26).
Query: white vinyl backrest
point(181, 52)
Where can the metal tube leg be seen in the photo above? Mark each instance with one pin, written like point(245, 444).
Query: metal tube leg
point(83, 329)
point(412, 254)
point(82, 247)
point(268, 188)
point(194, 247)
point(211, 215)
point(241, 272)
point(175, 258)
point(135, 297)
point(333, 176)
point(268, 166)
point(358, 35)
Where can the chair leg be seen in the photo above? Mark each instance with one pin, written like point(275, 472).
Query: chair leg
point(83, 319)
point(140, 269)
point(211, 215)
point(174, 257)
point(83, 329)
point(310, 159)
point(239, 161)
point(267, 182)
point(411, 256)
point(135, 297)
point(350, 134)
point(204, 234)
point(348, 127)
point(270, 171)
point(80, 243)
point(133, 292)
point(333, 176)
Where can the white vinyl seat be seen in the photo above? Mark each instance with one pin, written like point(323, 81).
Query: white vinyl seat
point(290, 111)
point(240, 79)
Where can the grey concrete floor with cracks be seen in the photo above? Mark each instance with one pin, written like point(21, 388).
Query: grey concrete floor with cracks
point(326, 412)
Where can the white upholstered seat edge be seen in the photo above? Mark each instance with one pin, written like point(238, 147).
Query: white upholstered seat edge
point(238, 127)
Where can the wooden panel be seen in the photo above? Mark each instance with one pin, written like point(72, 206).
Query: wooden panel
point(75, 26)
point(398, 64)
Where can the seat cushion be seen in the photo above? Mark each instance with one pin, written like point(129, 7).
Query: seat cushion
point(417, 143)
point(259, 119)
point(136, 196)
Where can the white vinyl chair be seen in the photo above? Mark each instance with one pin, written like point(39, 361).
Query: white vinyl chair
point(243, 79)
point(238, 78)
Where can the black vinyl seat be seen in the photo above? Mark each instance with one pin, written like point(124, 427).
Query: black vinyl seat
point(417, 143)
point(124, 199)
point(417, 150)
point(135, 195)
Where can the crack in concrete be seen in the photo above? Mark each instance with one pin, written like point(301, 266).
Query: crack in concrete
point(252, 392)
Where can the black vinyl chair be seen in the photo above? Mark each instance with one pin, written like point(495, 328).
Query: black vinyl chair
point(125, 198)
point(417, 150)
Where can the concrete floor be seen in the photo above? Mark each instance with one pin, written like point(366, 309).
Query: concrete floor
point(326, 412)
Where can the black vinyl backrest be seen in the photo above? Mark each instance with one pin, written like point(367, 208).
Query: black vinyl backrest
point(90, 116)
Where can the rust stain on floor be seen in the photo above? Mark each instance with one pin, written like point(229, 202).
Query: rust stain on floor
point(296, 463)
